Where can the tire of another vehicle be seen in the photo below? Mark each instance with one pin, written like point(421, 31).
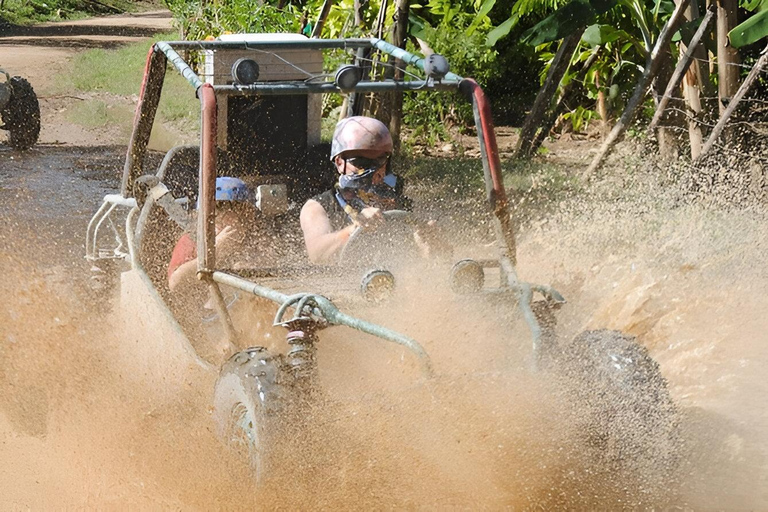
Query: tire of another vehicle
point(247, 403)
point(624, 408)
point(22, 115)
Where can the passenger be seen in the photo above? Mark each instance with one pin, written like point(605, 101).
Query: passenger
point(360, 150)
point(238, 243)
point(235, 218)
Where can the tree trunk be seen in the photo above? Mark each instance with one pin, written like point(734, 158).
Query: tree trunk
point(691, 91)
point(668, 147)
point(399, 39)
point(696, 83)
point(317, 30)
point(727, 56)
point(642, 86)
point(566, 94)
point(356, 101)
point(557, 69)
point(718, 129)
point(602, 106)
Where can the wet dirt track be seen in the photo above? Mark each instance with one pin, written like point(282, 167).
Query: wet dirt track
point(77, 431)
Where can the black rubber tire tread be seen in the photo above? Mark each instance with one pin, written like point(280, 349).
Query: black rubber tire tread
point(22, 115)
point(247, 404)
point(623, 404)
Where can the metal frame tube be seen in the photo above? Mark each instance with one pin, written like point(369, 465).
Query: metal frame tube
point(327, 310)
point(494, 184)
point(179, 63)
point(149, 98)
point(277, 88)
point(206, 219)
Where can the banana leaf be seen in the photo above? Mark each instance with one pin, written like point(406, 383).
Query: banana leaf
point(752, 30)
point(566, 20)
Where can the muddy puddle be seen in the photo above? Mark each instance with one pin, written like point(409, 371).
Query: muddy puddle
point(80, 429)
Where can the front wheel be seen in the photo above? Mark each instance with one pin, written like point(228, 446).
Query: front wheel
point(624, 409)
point(247, 402)
point(22, 115)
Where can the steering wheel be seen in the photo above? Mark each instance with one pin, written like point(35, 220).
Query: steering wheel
point(391, 243)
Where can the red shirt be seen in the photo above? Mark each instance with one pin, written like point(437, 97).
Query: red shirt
point(184, 251)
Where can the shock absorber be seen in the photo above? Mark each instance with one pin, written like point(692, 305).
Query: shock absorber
point(301, 359)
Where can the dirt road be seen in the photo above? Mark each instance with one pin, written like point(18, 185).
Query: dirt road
point(41, 53)
point(77, 431)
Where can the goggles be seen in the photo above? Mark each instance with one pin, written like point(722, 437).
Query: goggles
point(367, 164)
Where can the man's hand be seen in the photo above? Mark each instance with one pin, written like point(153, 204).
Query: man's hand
point(370, 218)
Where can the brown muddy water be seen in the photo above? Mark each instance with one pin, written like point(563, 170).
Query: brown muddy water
point(78, 429)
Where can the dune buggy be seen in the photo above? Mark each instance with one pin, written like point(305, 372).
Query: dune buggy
point(20, 111)
point(261, 105)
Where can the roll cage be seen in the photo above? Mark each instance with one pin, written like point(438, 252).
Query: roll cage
point(162, 53)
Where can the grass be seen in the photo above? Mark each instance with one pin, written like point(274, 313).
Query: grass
point(26, 12)
point(120, 72)
point(92, 114)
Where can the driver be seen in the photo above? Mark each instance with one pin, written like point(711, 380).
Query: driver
point(360, 150)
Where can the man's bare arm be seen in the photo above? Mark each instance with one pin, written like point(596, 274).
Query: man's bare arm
point(323, 244)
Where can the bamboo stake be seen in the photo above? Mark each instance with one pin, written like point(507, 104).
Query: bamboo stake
point(642, 86)
point(562, 102)
point(399, 39)
point(745, 86)
point(324, 11)
point(682, 67)
point(557, 69)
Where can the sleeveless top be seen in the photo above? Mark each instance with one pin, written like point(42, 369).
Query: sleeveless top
point(336, 214)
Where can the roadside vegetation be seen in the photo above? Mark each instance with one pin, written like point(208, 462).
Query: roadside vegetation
point(108, 77)
point(25, 12)
point(586, 59)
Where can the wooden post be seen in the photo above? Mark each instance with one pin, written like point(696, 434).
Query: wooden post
point(557, 69)
point(682, 66)
point(642, 86)
point(562, 102)
point(717, 130)
point(317, 30)
point(727, 56)
point(399, 38)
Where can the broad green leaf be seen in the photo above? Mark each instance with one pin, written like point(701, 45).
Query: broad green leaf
point(597, 34)
point(417, 26)
point(754, 29)
point(501, 31)
point(755, 5)
point(480, 16)
point(566, 20)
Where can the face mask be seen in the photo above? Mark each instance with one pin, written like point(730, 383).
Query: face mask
point(364, 177)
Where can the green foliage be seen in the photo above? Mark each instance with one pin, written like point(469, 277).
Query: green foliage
point(429, 115)
point(520, 9)
point(199, 20)
point(566, 20)
point(580, 118)
point(24, 12)
point(751, 31)
point(120, 72)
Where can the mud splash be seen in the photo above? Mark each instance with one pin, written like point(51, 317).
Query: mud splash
point(77, 431)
